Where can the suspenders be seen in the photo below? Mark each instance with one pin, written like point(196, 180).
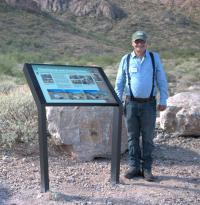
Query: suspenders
point(129, 77)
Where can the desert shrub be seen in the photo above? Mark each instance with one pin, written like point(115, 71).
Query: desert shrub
point(18, 117)
point(6, 86)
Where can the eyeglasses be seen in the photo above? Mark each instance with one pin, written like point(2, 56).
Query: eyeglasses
point(139, 41)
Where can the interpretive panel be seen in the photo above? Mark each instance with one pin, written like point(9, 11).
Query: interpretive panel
point(72, 84)
point(67, 85)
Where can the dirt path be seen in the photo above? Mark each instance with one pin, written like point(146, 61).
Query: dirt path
point(176, 165)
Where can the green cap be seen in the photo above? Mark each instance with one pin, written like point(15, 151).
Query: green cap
point(139, 35)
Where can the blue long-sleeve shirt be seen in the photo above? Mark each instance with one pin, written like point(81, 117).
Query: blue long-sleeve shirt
point(141, 72)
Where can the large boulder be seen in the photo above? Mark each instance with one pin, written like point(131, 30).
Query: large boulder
point(182, 117)
point(86, 131)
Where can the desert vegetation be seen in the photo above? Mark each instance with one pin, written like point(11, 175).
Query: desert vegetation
point(32, 37)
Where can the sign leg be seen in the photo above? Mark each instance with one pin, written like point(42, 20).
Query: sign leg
point(116, 144)
point(42, 130)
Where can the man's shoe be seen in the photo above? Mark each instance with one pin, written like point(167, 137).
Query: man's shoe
point(132, 172)
point(148, 176)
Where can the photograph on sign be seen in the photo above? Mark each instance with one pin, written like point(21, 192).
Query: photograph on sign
point(72, 84)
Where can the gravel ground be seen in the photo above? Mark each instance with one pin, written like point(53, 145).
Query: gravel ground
point(176, 166)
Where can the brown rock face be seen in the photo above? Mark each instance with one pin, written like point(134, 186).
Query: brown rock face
point(77, 7)
point(95, 8)
point(83, 8)
point(53, 5)
point(37, 5)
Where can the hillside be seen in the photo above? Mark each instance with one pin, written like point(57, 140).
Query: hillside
point(189, 8)
point(36, 32)
point(78, 35)
point(63, 37)
point(171, 29)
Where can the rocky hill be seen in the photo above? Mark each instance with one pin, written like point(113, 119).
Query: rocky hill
point(105, 26)
point(76, 7)
point(105, 8)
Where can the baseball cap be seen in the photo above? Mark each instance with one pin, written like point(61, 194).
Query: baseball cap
point(139, 35)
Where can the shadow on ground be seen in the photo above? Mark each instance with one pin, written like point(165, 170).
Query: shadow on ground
point(4, 195)
point(176, 154)
point(60, 197)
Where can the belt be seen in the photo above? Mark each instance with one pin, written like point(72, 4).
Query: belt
point(140, 100)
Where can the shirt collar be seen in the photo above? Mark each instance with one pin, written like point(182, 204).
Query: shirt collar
point(145, 54)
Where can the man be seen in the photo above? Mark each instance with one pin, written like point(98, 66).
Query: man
point(137, 79)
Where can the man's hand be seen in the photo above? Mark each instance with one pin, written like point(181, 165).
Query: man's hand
point(161, 107)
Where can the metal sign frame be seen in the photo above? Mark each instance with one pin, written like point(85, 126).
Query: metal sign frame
point(41, 103)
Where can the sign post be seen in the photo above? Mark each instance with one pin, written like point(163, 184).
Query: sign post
point(67, 85)
point(116, 144)
point(43, 146)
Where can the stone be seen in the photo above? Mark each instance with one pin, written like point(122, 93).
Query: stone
point(195, 87)
point(88, 130)
point(182, 116)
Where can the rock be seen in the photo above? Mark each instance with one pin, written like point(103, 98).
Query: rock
point(95, 8)
point(83, 8)
point(77, 7)
point(38, 5)
point(195, 87)
point(53, 5)
point(110, 11)
point(24, 4)
point(6, 159)
point(87, 129)
point(182, 116)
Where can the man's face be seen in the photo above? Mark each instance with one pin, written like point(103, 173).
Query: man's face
point(139, 45)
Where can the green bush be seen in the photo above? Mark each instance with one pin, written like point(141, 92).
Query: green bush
point(18, 117)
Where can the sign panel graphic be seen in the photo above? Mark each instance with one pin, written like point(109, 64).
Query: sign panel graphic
point(73, 84)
